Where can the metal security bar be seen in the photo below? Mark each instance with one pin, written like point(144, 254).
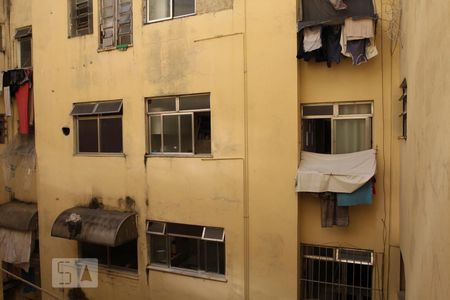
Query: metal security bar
point(324, 276)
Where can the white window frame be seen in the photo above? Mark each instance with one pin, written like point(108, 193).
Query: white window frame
point(177, 112)
point(96, 116)
point(336, 116)
point(147, 13)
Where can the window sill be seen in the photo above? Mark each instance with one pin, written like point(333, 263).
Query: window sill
point(99, 155)
point(129, 274)
point(114, 48)
point(208, 276)
point(203, 156)
point(169, 19)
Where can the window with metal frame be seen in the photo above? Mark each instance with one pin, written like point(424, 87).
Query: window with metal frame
point(23, 36)
point(179, 124)
point(116, 23)
point(198, 249)
point(98, 127)
point(80, 17)
point(403, 114)
point(339, 273)
point(337, 128)
point(120, 257)
point(159, 10)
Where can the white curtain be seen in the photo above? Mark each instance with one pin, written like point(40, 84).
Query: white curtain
point(158, 9)
point(352, 135)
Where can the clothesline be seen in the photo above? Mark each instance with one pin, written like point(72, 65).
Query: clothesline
point(32, 285)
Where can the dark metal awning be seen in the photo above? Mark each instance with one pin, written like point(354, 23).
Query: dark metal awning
point(17, 215)
point(97, 226)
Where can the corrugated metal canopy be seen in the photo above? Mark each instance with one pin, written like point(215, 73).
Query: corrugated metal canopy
point(17, 215)
point(98, 226)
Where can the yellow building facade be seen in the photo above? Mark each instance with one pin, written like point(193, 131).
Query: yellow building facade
point(240, 55)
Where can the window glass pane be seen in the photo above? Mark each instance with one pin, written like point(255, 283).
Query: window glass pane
point(213, 233)
point(155, 136)
point(212, 257)
point(87, 135)
point(170, 134)
point(221, 253)
point(202, 132)
point(157, 227)
point(194, 102)
point(158, 105)
point(158, 249)
point(183, 7)
point(354, 109)
point(124, 256)
point(25, 52)
point(94, 251)
point(111, 135)
point(108, 107)
point(184, 253)
point(316, 135)
point(317, 110)
point(81, 109)
point(352, 135)
point(182, 229)
point(158, 9)
point(186, 133)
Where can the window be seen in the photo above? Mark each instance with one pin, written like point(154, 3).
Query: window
point(99, 127)
point(158, 10)
point(116, 26)
point(3, 129)
point(403, 114)
point(123, 256)
point(337, 128)
point(23, 36)
point(338, 273)
point(80, 22)
point(179, 125)
point(187, 247)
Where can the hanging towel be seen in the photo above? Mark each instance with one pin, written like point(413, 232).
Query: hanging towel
point(22, 105)
point(362, 196)
point(15, 247)
point(7, 99)
point(312, 39)
point(331, 214)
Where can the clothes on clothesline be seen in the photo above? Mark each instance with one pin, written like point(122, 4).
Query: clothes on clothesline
point(354, 39)
point(331, 213)
point(362, 196)
point(330, 49)
point(17, 83)
point(15, 247)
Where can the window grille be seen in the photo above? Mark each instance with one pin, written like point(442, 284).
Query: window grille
point(331, 273)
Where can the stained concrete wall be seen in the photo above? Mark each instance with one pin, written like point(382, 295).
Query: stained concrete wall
point(373, 227)
point(425, 155)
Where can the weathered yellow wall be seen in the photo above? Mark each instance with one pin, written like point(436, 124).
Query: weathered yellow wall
point(425, 156)
point(373, 227)
point(14, 14)
point(272, 148)
point(172, 57)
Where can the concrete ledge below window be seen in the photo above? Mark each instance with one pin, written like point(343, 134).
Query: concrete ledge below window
point(99, 154)
point(133, 275)
point(203, 156)
point(208, 276)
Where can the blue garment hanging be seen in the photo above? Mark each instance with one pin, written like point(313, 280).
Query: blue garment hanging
point(362, 196)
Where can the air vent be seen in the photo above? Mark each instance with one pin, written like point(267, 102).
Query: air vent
point(361, 257)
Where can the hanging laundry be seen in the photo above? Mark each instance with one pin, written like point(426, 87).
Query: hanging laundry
point(22, 106)
point(331, 214)
point(362, 196)
point(371, 49)
point(358, 29)
point(7, 99)
point(357, 50)
point(331, 41)
point(312, 39)
point(338, 4)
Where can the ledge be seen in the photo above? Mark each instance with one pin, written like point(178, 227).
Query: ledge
point(188, 273)
point(118, 272)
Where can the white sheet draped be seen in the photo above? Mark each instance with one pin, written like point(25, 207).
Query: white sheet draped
point(338, 173)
